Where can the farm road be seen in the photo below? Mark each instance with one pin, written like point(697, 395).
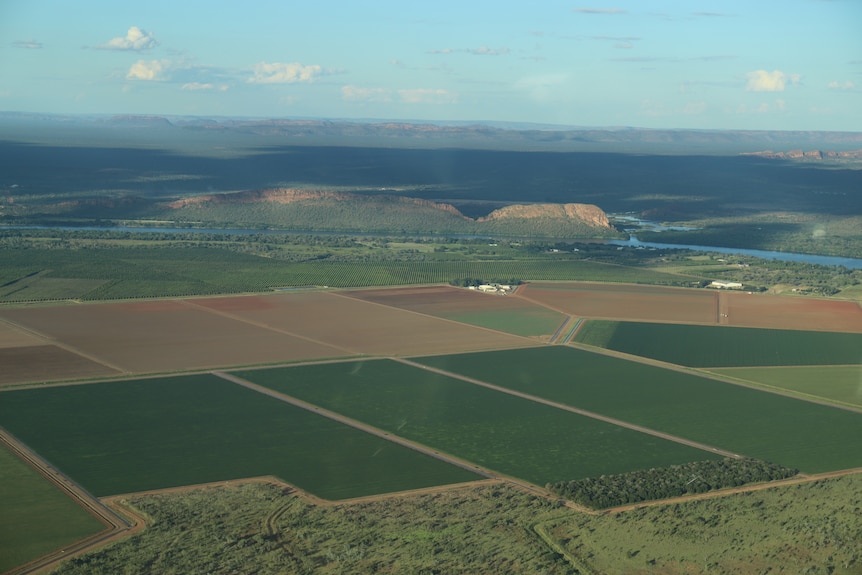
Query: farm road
point(611, 420)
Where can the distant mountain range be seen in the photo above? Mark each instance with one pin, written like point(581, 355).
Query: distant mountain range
point(481, 135)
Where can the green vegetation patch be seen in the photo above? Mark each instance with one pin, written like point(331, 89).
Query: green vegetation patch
point(255, 528)
point(511, 435)
point(525, 322)
point(717, 346)
point(37, 517)
point(838, 383)
point(807, 528)
point(791, 432)
point(122, 437)
point(653, 484)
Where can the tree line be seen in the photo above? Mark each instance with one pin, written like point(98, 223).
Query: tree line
point(661, 483)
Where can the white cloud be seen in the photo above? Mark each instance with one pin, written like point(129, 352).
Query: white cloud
point(194, 86)
point(135, 40)
point(775, 81)
point(427, 96)
point(358, 94)
point(148, 70)
point(848, 85)
point(28, 44)
point(284, 73)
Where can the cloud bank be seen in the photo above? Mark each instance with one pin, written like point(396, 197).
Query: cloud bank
point(135, 40)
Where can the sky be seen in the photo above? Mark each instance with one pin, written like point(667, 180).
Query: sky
point(670, 64)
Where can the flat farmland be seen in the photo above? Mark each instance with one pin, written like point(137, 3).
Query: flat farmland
point(154, 336)
point(503, 313)
point(699, 306)
point(122, 437)
point(46, 363)
point(720, 346)
point(840, 383)
point(775, 428)
point(358, 327)
point(511, 435)
point(787, 312)
point(37, 517)
point(625, 301)
point(12, 336)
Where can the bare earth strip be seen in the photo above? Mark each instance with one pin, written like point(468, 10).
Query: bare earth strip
point(115, 525)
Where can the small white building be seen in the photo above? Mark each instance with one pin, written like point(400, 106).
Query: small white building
point(725, 285)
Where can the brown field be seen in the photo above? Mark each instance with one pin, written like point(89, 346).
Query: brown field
point(205, 333)
point(360, 327)
point(789, 312)
point(163, 336)
point(11, 336)
point(45, 363)
point(440, 300)
point(700, 306)
point(79, 341)
point(620, 301)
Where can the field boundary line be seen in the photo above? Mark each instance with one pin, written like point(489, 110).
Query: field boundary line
point(115, 524)
point(437, 318)
point(463, 464)
point(48, 340)
point(576, 410)
point(195, 305)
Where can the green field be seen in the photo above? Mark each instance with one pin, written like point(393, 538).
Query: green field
point(511, 435)
point(775, 428)
point(715, 346)
point(838, 383)
point(36, 517)
point(121, 437)
point(525, 322)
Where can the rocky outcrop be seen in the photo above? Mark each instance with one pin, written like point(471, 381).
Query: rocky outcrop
point(586, 213)
point(293, 195)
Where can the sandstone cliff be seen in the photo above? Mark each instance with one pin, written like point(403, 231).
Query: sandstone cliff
point(588, 213)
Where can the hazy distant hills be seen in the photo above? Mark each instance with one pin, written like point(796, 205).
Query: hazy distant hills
point(478, 135)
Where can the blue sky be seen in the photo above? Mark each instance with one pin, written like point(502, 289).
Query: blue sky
point(752, 64)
